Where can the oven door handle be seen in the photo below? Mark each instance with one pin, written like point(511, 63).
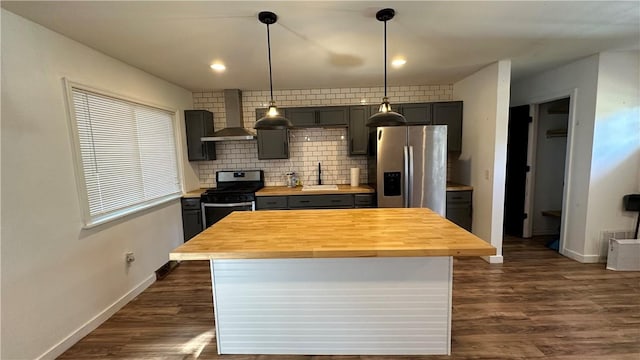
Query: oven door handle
point(214, 205)
point(227, 205)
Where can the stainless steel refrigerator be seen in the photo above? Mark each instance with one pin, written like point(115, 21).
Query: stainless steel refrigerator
point(408, 166)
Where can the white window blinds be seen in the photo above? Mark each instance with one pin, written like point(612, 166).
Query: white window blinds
point(127, 153)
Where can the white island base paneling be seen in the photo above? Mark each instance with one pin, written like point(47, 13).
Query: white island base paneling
point(342, 306)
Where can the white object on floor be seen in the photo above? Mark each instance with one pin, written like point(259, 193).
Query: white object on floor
point(624, 255)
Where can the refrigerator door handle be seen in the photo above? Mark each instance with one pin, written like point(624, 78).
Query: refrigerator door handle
point(410, 180)
point(406, 177)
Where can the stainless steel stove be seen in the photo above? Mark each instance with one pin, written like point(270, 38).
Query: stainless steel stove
point(235, 191)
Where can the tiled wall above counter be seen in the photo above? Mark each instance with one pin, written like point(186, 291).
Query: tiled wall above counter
point(307, 146)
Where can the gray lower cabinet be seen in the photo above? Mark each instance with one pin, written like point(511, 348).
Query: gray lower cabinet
point(332, 201)
point(364, 200)
point(191, 218)
point(459, 208)
point(358, 131)
point(199, 123)
point(271, 202)
point(321, 201)
point(450, 114)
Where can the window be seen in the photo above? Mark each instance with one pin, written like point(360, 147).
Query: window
point(126, 155)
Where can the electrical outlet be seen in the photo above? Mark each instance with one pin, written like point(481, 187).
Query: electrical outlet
point(129, 258)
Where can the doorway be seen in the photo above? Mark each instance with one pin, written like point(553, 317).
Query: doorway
point(549, 175)
point(517, 168)
point(535, 174)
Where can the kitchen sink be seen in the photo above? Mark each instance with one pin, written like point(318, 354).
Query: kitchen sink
point(319, 187)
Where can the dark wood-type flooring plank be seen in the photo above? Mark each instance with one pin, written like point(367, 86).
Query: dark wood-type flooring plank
point(537, 305)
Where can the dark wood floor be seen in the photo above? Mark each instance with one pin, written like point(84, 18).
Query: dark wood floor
point(538, 304)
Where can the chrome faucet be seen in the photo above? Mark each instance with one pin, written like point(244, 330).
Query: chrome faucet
point(319, 174)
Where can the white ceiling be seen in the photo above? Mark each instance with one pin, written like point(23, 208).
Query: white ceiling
point(321, 44)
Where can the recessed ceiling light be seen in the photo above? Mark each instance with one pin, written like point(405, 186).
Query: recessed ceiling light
point(398, 62)
point(218, 67)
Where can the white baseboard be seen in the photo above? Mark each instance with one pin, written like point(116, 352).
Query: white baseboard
point(493, 259)
point(586, 259)
point(92, 324)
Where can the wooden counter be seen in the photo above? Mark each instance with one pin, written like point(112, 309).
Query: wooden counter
point(286, 191)
point(194, 193)
point(312, 282)
point(451, 186)
point(331, 234)
point(342, 189)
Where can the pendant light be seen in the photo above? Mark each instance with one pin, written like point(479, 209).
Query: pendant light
point(385, 116)
point(272, 120)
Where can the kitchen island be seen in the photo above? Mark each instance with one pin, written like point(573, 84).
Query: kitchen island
point(351, 281)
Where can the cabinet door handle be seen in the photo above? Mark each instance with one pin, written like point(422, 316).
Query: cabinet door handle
point(351, 144)
point(271, 202)
point(336, 201)
point(199, 222)
point(305, 201)
point(456, 197)
point(286, 147)
point(204, 149)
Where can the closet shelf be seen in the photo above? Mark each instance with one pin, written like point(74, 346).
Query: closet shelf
point(556, 133)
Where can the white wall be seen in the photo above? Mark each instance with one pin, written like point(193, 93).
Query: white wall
point(55, 276)
point(578, 80)
point(482, 163)
point(615, 160)
point(602, 166)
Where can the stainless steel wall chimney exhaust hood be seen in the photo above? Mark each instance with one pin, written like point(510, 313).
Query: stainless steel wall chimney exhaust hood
point(235, 124)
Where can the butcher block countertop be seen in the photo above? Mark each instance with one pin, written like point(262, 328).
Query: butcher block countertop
point(451, 186)
point(342, 189)
point(332, 233)
point(286, 191)
point(194, 193)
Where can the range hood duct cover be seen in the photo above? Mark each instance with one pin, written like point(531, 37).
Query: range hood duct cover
point(235, 129)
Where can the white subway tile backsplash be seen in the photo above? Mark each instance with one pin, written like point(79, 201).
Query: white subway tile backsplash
point(307, 146)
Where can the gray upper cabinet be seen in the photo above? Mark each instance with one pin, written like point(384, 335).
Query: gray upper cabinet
point(358, 131)
point(199, 123)
point(416, 114)
point(329, 116)
point(450, 114)
point(272, 144)
point(301, 117)
point(333, 116)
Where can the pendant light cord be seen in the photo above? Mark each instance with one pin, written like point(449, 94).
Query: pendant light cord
point(269, 52)
point(385, 58)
